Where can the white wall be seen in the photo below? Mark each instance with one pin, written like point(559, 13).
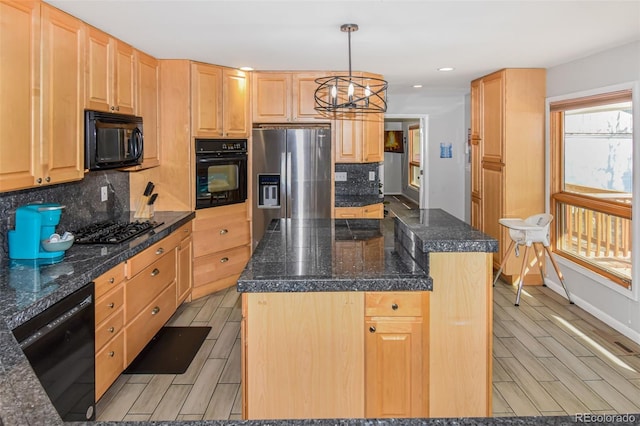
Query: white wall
point(605, 300)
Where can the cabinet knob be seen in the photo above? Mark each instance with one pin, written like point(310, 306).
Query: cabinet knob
point(394, 306)
point(112, 280)
point(372, 329)
point(111, 329)
point(39, 180)
point(48, 179)
point(117, 108)
point(112, 354)
point(223, 231)
point(224, 259)
point(155, 272)
point(111, 305)
point(113, 108)
point(155, 310)
point(159, 251)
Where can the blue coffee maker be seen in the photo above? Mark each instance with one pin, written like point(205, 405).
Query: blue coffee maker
point(35, 223)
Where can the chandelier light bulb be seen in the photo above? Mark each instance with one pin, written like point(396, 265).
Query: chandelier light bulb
point(367, 91)
point(334, 91)
point(350, 89)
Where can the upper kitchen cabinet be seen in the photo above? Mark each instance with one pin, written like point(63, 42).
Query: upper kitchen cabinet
point(507, 155)
point(110, 74)
point(285, 97)
point(19, 100)
point(40, 118)
point(148, 107)
point(358, 138)
point(219, 101)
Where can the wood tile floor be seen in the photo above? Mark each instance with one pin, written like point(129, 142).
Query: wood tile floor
point(550, 358)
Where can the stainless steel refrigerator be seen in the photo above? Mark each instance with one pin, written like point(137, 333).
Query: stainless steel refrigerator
point(291, 175)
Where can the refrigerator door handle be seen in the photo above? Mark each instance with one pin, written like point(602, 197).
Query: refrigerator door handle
point(284, 177)
point(288, 181)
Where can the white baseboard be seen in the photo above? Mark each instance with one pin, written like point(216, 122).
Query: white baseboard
point(602, 316)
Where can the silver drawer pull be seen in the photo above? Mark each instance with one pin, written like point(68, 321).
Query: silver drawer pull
point(160, 251)
point(155, 272)
point(111, 305)
point(155, 310)
point(394, 306)
point(224, 259)
point(111, 329)
point(223, 231)
point(112, 354)
point(112, 280)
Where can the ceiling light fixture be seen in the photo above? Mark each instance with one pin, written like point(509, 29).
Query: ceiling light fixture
point(417, 86)
point(446, 69)
point(349, 93)
point(246, 69)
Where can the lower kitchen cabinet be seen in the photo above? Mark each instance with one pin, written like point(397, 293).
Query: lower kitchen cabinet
point(221, 247)
point(335, 355)
point(135, 299)
point(371, 211)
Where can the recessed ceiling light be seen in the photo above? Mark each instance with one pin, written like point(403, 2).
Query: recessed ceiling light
point(417, 86)
point(446, 69)
point(246, 68)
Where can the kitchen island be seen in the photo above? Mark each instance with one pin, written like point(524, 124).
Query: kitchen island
point(368, 318)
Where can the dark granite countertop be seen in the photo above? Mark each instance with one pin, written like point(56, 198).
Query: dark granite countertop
point(356, 200)
point(26, 290)
point(330, 255)
point(434, 230)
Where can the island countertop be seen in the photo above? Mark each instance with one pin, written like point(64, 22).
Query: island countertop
point(313, 255)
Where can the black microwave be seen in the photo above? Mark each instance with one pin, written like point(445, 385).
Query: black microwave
point(112, 140)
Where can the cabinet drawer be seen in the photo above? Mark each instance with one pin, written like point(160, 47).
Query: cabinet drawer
point(109, 364)
point(219, 265)
point(222, 236)
point(109, 303)
point(109, 280)
point(141, 289)
point(143, 259)
point(140, 331)
point(390, 304)
point(184, 231)
point(109, 328)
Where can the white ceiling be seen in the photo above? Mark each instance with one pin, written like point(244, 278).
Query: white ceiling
point(406, 41)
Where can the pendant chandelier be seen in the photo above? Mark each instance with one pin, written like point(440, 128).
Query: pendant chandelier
point(350, 93)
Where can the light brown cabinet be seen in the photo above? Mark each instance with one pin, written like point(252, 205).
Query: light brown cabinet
point(111, 74)
point(282, 97)
point(184, 265)
point(37, 39)
point(221, 247)
point(358, 138)
point(219, 101)
point(371, 211)
point(148, 107)
point(507, 155)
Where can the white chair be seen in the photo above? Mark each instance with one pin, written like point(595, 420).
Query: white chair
point(528, 232)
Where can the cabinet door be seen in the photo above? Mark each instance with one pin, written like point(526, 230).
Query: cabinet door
point(476, 212)
point(99, 71)
point(124, 64)
point(304, 88)
point(492, 205)
point(372, 145)
point(206, 100)
point(235, 110)
point(272, 97)
point(19, 107)
point(348, 139)
point(148, 106)
point(476, 110)
point(393, 367)
point(185, 269)
point(373, 211)
point(492, 117)
point(62, 139)
point(476, 168)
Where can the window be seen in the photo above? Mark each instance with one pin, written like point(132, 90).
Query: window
point(414, 156)
point(591, 193)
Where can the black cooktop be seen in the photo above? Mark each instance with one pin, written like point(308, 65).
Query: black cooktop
point(110, 232)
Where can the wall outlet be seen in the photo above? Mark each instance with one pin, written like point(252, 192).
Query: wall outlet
point(104, 194)
point(372, 175)
point(341, 176)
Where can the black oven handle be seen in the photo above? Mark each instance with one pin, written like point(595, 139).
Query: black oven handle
point(208, 160)
point(136, 143)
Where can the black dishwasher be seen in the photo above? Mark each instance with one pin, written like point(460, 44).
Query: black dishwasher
point(60, 346)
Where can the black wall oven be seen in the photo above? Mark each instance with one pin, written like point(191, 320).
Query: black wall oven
point(221, 172)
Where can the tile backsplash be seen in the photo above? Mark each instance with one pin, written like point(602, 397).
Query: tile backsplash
point(81, 198)
point(358, 182)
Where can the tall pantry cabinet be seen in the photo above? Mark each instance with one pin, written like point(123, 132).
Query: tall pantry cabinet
point(507, 156)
